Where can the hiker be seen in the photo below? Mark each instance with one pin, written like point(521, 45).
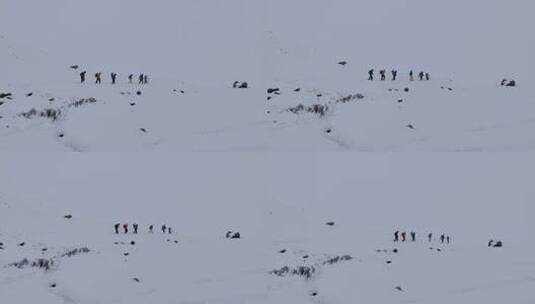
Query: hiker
point(430, 237)
point(448, 239)
point(169, 231)
point(151, 227)
point(98, 78)
point(411, 75)
point(116, 226)
point(413, 236)
point(403, 236)
point(396, 236)
point(427, 77)
point(421, 76)
point(113, 77)
point(82, 77)
point(141, 78)
point(490, 243)
point(125, 227)
point(383, 75)
point(394, 75)
point(135, 228)
point(145, 79)
point(164, 228)
point(130, 77)
point(370, 73)
point(442, 237)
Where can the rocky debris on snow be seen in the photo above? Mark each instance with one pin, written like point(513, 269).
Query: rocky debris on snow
point(406, 90)
point(53, 285)
point(74, 67)
point(389, 262)
point(398, 288)
point(38, 263)
point(50, 113)
point(240, 85)
point(68, 216)
point(5, 95)
point(126, 254)
point(349, 98)
point(61, 135)
point(306, 256)
point(143, 130)
point(337, 259)
point(75, 251)
point(342, 63)
point(282, 251)
point(395, 250)
point(302, 271)
point(82, 101)
point(136, 280)
point(313, 293)
point(400, 100)
point(329, 223)
point(497, 244)
point(29, 94)
point(328, 130)
point(51, 99)
point(44, 249)
point(232, 235)
point(273, 90)
point(22, 244)
point(410, 126)
point(138, 93)
point(132, 243)
point(297, 90)
point(132, 104)
point(181, 91)
point(315, 108)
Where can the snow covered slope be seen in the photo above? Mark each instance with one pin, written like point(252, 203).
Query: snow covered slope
point(202, 47)
point(471, 198)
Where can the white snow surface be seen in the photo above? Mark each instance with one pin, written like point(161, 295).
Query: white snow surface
point(191, 152)
point(202, 47)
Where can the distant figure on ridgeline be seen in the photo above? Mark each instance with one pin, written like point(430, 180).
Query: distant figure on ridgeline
point(421, 76)
point(411, 75)
point(383, 75)
point(430, 237)
point(442, 237)
point(396, 236)
point(98, 77)
point(427, 77)
point(113, 77)
point(116, 226)
point(130, 78)
point(135, 228)
point(370, 74)
point(151, 229)
point(125, 227)
point(164, 228)
point(413, 236)
point(403, 236)
point(145, 79)
point(169, 230)
point(141, 78)
point(82, 76)
point(448, 239)
point(394, 75)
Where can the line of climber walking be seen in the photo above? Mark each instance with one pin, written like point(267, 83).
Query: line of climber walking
point(142, 78)
point(422, 75)
point(135, 226)
point(402, 236)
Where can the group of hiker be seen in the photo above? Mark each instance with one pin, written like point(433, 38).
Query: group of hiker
point(402, 236)
point(394, 73)
point(135, 226)
point(142, 78)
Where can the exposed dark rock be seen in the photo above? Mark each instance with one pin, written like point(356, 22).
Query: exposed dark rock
point(329, 223)
point(273, 90)
point(68, 216)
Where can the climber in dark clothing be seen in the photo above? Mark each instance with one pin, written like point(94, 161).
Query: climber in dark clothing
point(130, 78)
point(394, 75)
point(151, 228)
point(396, 236)
point(141, 78)
point(413, 236)
point(442, 237)
point(113, 78)
point(370, 73)
point(98, 78)
point(427, 77)
point(411, 75)
point(403, 236)
point(383, 75)
point(164, 228)
point(169, 230)
point(125, 227)
point(448, 239)
point(82, 77)
point(135, 228)
point(421, 76)
point(116, 226)
point(145, 79)
point(430, 237)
